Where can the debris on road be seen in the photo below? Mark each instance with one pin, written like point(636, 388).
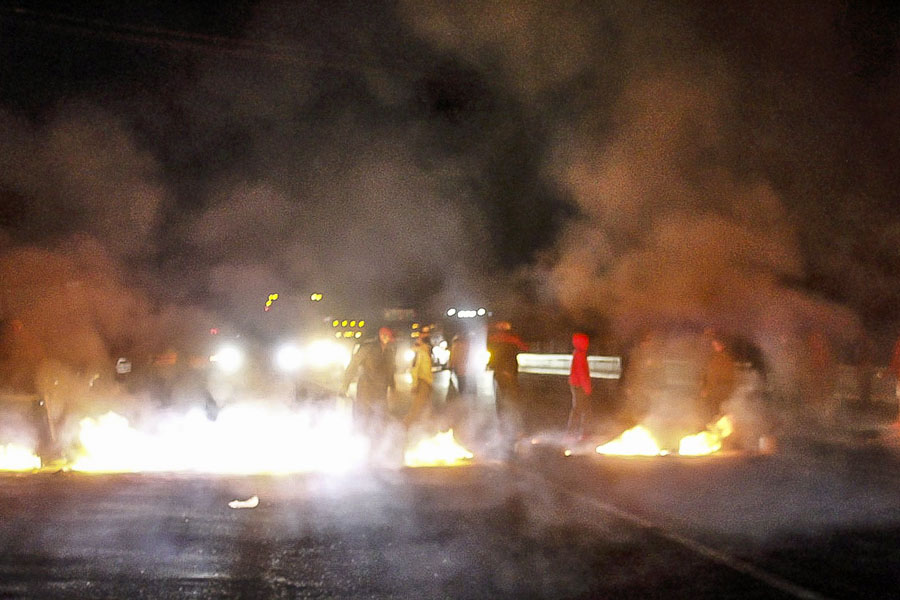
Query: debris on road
point(251, 502)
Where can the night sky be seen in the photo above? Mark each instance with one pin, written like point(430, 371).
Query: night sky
point(619, 162)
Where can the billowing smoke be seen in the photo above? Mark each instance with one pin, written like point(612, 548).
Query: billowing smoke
point(374, 225)
point(134, 226)
point(646, 172)
point(680, 226)
point(69, 316)
point(672, 236)
point(82, 172)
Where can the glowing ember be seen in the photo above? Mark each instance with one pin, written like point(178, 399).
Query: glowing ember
point(440, 450)
point(637, 441)
point(243, 439)
point(18, 458)
point(706, 442)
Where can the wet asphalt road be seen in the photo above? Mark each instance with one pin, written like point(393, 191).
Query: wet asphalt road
point(812, 520)
point(798, 524)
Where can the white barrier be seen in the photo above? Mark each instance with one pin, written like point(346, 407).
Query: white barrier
point(602, 367)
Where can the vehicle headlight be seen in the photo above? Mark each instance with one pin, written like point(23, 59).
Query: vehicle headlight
point(327, 353)
point(288, 358)
point(229, 359)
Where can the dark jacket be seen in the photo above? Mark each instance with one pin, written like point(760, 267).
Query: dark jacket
point(504, 348)
point(376, 366)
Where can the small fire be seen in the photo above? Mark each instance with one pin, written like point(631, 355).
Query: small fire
point(440, 450)
point(18, 458)
point(639, 441)
point(706, 442)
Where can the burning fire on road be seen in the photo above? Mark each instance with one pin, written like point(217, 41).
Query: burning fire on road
point(440, 450)
point(243, 440)
point(18, 458)
point(640, 441)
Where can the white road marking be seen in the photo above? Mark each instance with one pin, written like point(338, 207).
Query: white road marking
point(712, 554)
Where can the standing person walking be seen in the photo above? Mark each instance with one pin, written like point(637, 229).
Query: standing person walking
point(422, 381)
point(504, 347)
point(895, 371)
point(719, 378)
point(580, 384)
point(375, 363)
point(459, 364)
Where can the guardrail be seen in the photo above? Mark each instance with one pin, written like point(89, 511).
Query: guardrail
point(602, 367)
point(847, 380)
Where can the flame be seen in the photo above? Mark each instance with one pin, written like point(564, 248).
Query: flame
point(440, 450)
point(639, 441)
point(706, 442)
point(243, 440)
point(18, 458)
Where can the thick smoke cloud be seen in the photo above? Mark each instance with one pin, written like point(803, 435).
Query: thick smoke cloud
point(687, 240)
point(367, 154)
point(82, 172)
point(690, 215)
point(529, 46)
point(72, 306)
point(244, 178)
point(325, 175)
point(676, 227)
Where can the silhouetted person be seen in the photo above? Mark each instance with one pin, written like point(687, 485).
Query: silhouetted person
point(642, 376)
point(719, 378)
point(375, 364)
point(895, 371)
point(41, 420)
point(459, 362)
point(210, 406)
point(504, 347)
point(865, 370)
point(820, 376)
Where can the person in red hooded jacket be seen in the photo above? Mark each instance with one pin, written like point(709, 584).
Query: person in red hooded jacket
point(580, 383)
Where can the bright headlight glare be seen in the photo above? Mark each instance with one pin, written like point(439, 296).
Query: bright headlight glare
point(327, 353)
point(229, 359)
point(441, 354)
point(288, 358)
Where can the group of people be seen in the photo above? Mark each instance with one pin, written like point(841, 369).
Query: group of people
point(374, 363)
point(374, 366)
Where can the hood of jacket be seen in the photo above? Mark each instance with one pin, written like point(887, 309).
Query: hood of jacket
point(580, 341)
